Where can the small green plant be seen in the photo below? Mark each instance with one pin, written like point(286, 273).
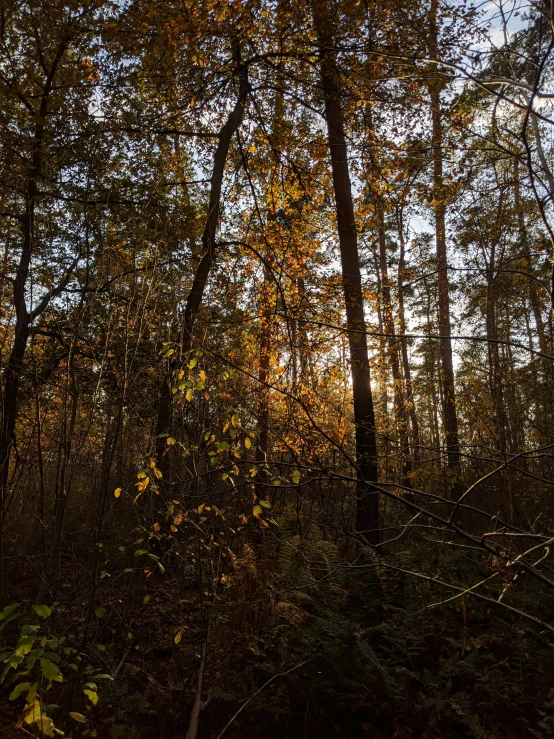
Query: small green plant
point(33, 665)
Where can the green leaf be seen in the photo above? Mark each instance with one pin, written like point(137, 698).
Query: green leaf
point(15, 660)
point(42, 611)
point(296, 477)
point(257, 511)
point(27, 629)
point(31, 695)
point(102, 676)
point(193, 362)
point(25, 644)
point(7, 610)
point(16, 692)
point(100, 612)
point(53, 656)
point(92, 695)
point(140, 551)
point(77, 716)
point(50, 670)
point(265, 503)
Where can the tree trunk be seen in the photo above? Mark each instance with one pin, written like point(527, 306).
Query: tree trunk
point(367, 498)
point(194, 299)
point(447, 368)
point(404, 343)
point(393, 346)
point(24, 318)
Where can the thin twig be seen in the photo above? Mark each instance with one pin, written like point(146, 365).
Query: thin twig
point(271, 679)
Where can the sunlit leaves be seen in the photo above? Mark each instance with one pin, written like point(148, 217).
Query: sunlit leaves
point(42, 611)
point(92, 695)
point(50, 670)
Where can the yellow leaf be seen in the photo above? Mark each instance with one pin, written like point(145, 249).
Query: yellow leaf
point(200, 508)
point(152, 464)
point(202, 375)
point(157, 473)
point(117, 492)
point(257, 511)
point(177, 637)
point(188, 394)
point(247, 442)
point(170, 441)
point(92, 695)
point(235, 419)
point(141, 475)
point(77, 716)
point(34, 713)
point(143, 484)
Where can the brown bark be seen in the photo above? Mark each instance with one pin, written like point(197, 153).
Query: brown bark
point(447, 367)
point(266, 299)
point(24, 318)
point(393, 347)
point(194, 299)
point(535, 300)
point(404, 344)
point(367, 504)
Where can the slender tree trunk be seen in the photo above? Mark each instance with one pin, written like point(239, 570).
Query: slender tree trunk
point(194, 299)
point(447, 366)
point(267, 302)
point(496, 378)
point(267, 293)
point(367, 507)
point(535, 300)
point(383, 399)
point(393, 346)
point(404, 343)
point(24, 318)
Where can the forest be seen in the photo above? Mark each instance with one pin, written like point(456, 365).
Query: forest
point(277, 369)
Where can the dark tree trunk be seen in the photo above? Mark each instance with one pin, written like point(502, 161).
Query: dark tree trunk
point(393, 346)
point(447, 366)
point(367, 506)
point(24, 318)
point(404, 343)
point(194, 299)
